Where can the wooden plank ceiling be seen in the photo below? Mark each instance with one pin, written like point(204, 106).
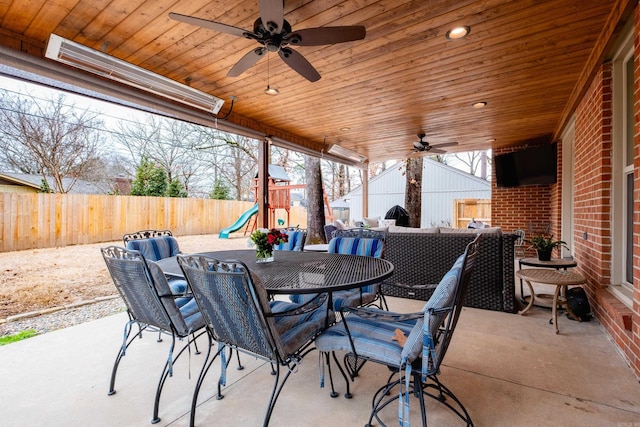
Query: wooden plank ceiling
point(522, 57)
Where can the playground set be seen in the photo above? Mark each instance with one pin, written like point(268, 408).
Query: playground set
point(279, 198)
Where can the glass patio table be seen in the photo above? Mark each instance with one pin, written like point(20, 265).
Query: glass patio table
point(301, 272)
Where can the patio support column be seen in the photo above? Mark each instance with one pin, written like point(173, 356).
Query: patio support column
point(365, 191)
point(263, 184)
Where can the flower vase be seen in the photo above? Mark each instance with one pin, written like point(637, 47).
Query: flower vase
point(264, 255)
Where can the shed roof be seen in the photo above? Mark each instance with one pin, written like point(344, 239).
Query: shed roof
point(34, 181)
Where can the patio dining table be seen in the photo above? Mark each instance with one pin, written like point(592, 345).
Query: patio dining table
point(301, 272)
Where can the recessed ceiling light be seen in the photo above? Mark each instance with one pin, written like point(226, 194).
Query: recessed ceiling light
point(480, 104)
point(344, 129)
point(458, 33)
point(490, 140)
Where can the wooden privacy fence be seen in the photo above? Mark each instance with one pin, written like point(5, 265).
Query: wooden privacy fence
point(39, 220)
point(465, 210)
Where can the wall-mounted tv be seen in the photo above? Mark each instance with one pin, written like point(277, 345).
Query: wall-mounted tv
point(531, 166)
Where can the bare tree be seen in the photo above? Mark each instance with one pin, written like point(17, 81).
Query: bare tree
point(228, 160)
point(413, 191)
point(167, 143)
point(474, 160)
point(49, 137)
point(315, 206)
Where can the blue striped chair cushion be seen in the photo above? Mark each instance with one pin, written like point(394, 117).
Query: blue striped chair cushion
point(179, 287)
point(354, 298)
point(295, 241)
point(372, 339)
point(441, 297)
point(184, 312)
point(356, 246)
point(295, 330)
point(351, 246)
point(156, 248)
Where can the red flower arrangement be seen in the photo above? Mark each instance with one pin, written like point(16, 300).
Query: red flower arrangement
point(266, 239)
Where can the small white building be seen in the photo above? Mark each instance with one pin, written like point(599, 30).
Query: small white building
point(441, 185)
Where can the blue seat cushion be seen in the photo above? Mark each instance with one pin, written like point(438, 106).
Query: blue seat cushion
point(295, 241)
point(295, 330)
point(356, 246)
point(155, 248)
point(192, 315)
point(179, 287)
point(372, 339)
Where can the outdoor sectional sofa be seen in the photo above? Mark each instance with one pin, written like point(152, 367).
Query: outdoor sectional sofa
point(423, 256)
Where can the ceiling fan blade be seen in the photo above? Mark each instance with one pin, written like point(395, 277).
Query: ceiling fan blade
point(272, 15)
point(436, 151)
point(210, 25)
point(246, 61)
point(444, 144)
point(326, 35)
point(299, 64)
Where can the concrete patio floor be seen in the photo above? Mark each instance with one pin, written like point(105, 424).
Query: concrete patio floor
point(508, 370)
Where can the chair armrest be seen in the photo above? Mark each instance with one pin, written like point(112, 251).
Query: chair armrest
point(175, 296)
point(307, 307)
point(414, 287)
point(380, 315)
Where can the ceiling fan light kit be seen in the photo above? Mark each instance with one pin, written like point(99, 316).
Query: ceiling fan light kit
point(340, 151)
point(96, 62)
point(275, 34)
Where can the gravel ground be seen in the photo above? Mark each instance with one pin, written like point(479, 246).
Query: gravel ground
point(67, 290)
point(64, 318)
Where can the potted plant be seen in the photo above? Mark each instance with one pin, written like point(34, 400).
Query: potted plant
point(544, 245)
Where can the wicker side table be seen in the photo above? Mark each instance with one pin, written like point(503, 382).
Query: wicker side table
point(559, 279)
point(557, 263)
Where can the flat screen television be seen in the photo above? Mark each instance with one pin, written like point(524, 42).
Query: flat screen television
point(531, 166)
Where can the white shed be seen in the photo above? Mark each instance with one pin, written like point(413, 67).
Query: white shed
point(441, 185)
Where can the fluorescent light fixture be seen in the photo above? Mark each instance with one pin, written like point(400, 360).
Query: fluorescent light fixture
point(346, 153)
point(96, 62)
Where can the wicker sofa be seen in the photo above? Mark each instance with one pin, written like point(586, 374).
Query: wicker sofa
point(423, 258)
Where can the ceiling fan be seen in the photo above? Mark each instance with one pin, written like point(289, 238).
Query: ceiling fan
point(424, 146)
point(275, 34)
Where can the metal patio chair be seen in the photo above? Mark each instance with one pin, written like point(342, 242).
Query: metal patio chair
point(151, 306)
point(371, 334)
point(155, 245)
point(519, 242)
point(239, 315)
point(357, 241)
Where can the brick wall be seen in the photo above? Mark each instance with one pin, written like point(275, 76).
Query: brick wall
point(514, 208)
point(632, 321)
point(592, 209)
point(592, 182)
